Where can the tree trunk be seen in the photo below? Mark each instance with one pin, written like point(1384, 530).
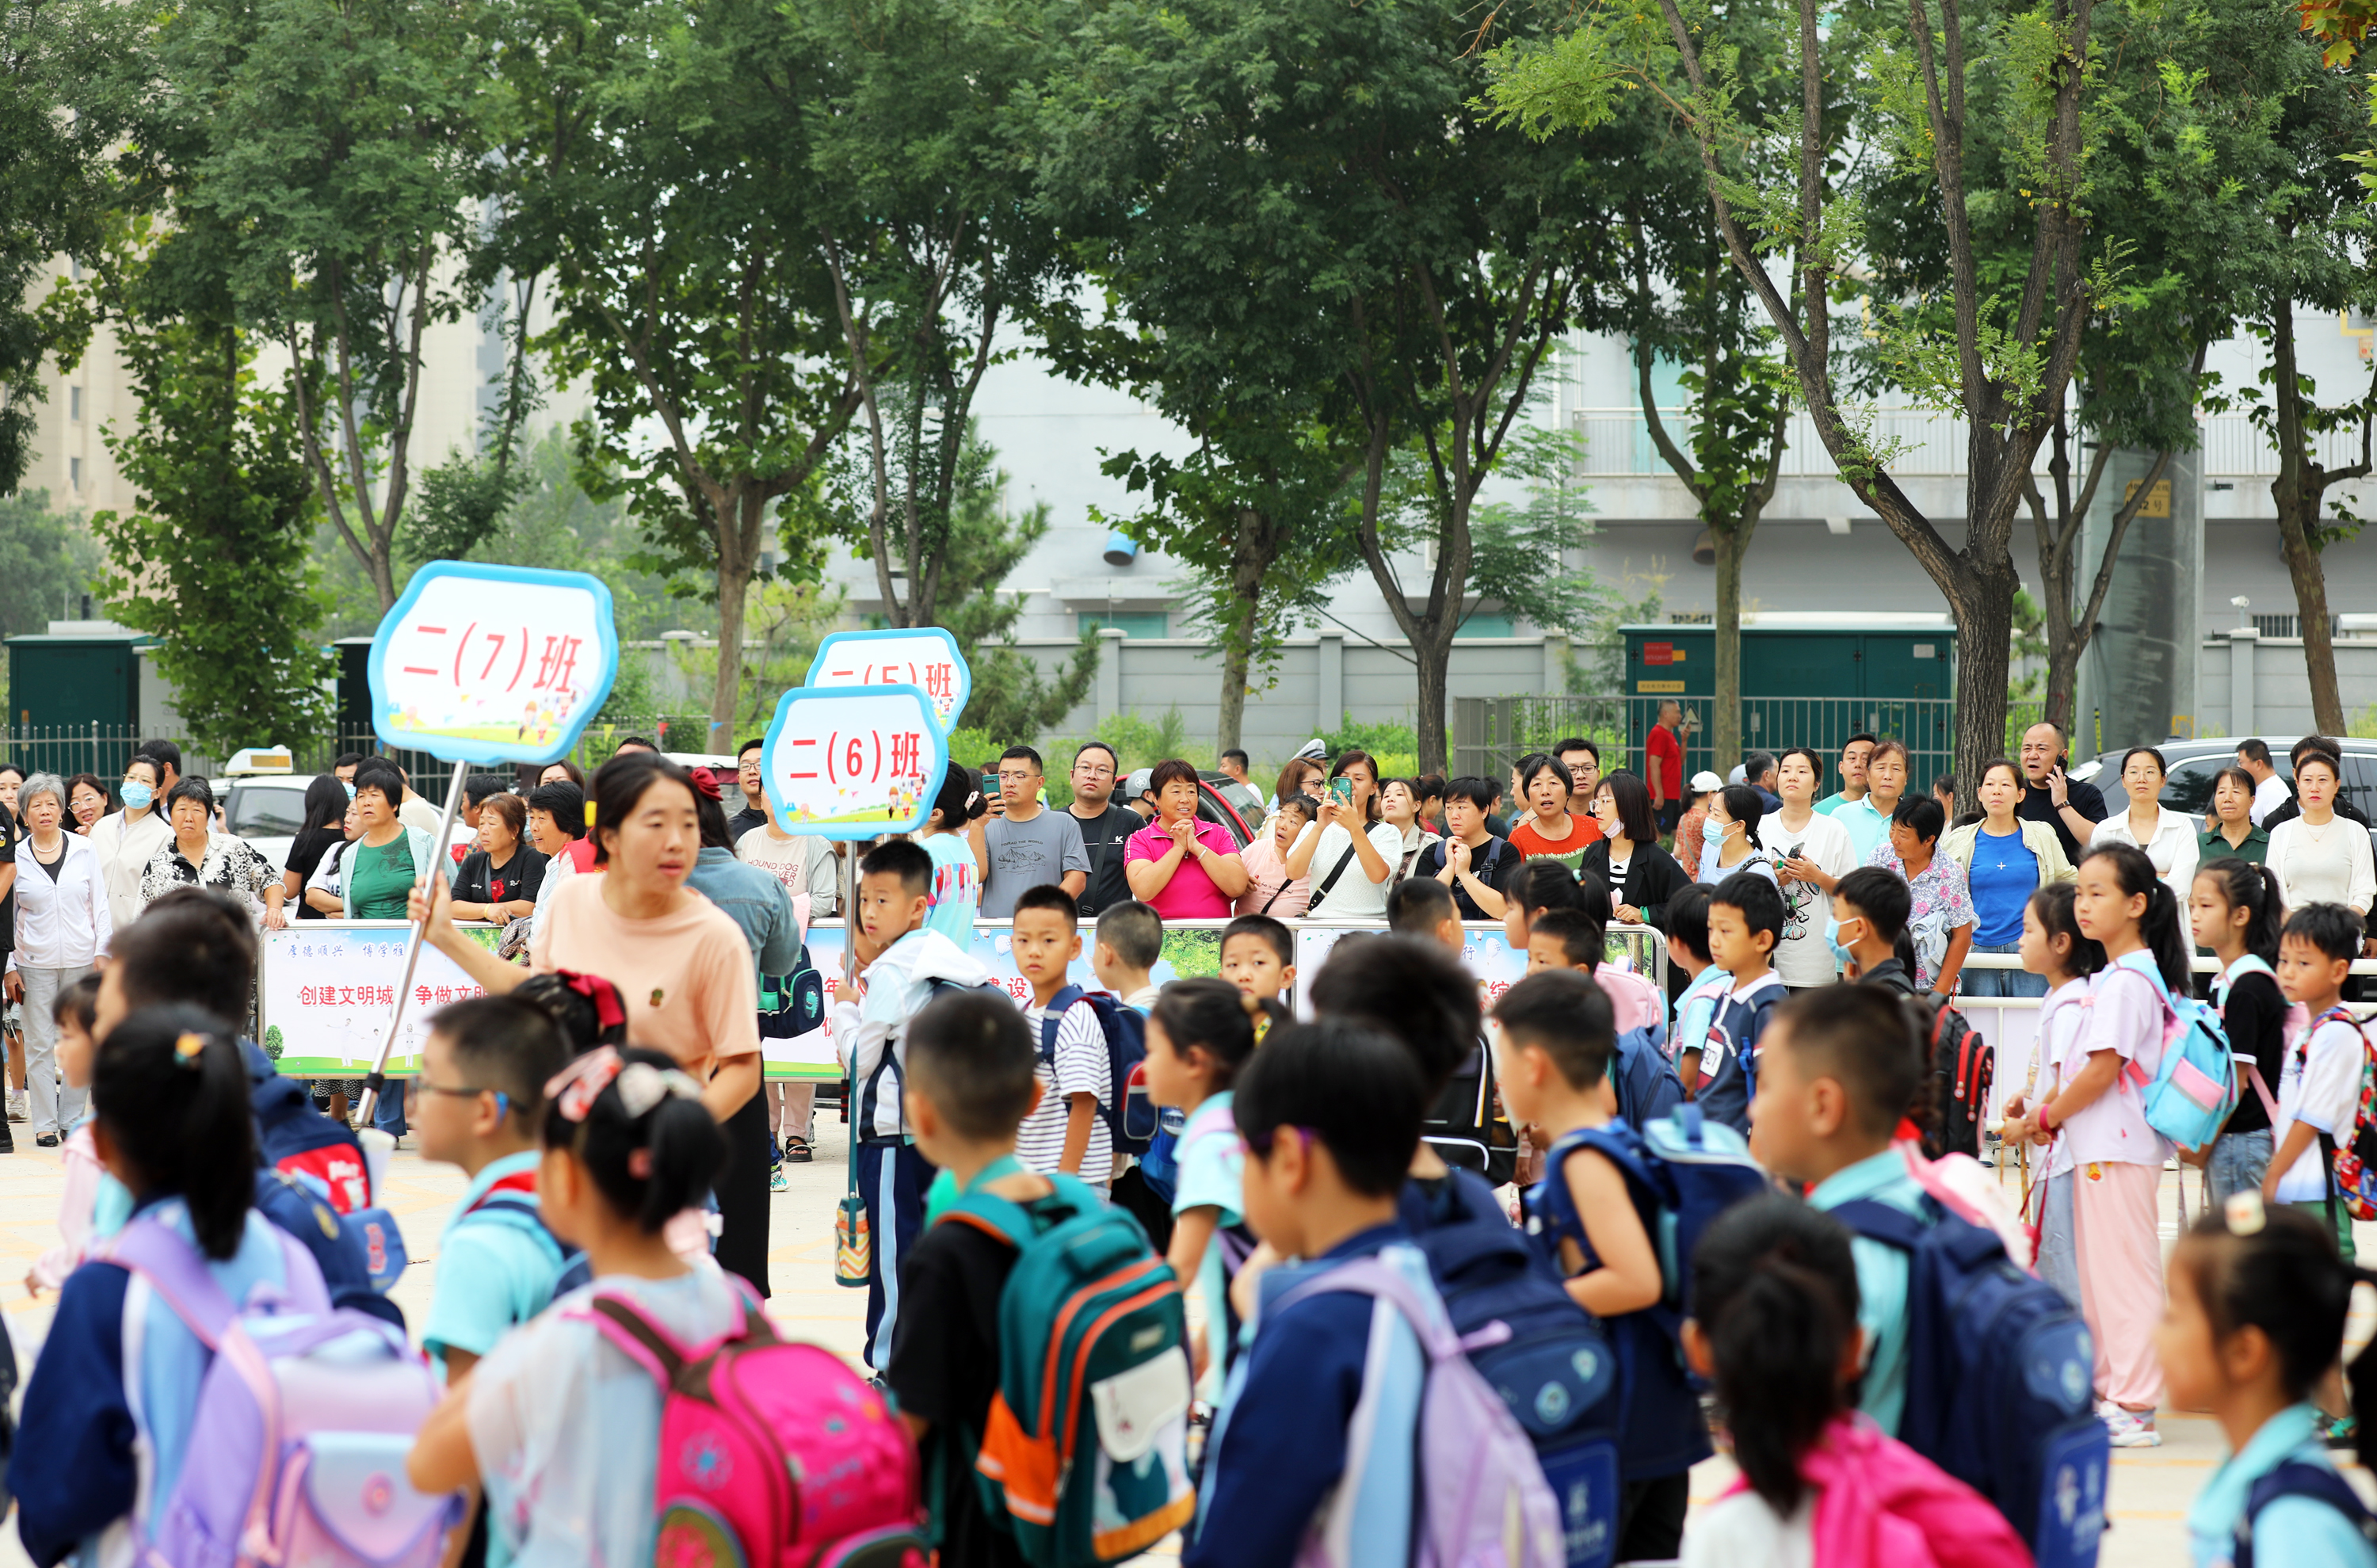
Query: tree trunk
point(734, 572)
point(1433, 657)
point(1725, 723)
point(1983, 602)
point(2298, 490)
point(1249, 558)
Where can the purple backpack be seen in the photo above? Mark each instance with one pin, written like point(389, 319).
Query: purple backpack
point(1482, 1500)
point(303, 1419)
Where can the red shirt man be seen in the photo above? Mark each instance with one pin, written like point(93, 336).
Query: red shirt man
point(1663, 756)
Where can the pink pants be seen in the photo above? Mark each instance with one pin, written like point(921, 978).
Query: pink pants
point(2117, 1235)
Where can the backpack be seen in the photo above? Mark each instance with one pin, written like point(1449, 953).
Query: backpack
point(1644, 1079)
point(512, 1201)
point(2298, 1018)
point(1092, 1356)
point(304, 1418)
point(1133, 1118)
point(793, 1003)
point(1466, 1127)
point(2296, 1478)
point(1682, 1171)
point(2352, 1160)
point(1551, 1364)
point(771, 1453)
point(1963, 1069)
point(1482, 1499)
point(2192, 1089)
point(1999, 1379)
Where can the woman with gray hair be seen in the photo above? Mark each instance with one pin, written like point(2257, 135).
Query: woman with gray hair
point(63, 930)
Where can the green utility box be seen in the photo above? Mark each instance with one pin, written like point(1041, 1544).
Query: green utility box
point(72, 680)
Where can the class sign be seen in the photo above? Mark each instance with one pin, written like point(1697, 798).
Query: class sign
point(488, 663)
point(854, 762)
point(924, 657)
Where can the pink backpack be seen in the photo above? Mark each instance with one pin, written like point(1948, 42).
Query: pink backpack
point(1881, 1504)
point(773, 1454)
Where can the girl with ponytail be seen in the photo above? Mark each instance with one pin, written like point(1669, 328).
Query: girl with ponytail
point(1199, 1035)
point(1774, 1328)
point(2235, 910)
point(2260, 1307)
point(2099, 1114)
point(557, 1424)
point(171, 1122)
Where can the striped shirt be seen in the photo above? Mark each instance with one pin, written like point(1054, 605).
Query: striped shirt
point(1081, 1068)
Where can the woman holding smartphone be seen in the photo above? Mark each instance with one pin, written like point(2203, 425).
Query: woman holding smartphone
point(1352, 851)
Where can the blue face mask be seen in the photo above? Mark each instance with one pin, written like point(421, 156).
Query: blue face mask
point(350, 791)
point(1712, 830)
point(137, 795)
point(1841, 955)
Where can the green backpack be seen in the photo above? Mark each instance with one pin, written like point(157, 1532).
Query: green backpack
point(1085, 1452)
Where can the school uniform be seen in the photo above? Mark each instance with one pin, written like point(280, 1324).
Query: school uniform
point(1881, 1272)
point(2053, 1063)
point(2290, 1530)
point(870, 1037)
point(1276, 1466)
point(1696, 1009)
point(1729, 1051)
point(2319, 1085)
point(2117, 1170)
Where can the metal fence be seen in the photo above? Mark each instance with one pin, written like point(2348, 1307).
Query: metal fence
point(1489, 734)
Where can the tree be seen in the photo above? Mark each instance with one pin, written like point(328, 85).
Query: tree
point(1327, 163)
point(40, 571)
point(657, 172)
point(1999, 351)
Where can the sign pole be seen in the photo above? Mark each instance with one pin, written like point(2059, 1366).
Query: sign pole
point(378, 1079)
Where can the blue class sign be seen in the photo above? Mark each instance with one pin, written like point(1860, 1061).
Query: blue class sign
point(490, 664)
point(926, 657)
point(852, 762)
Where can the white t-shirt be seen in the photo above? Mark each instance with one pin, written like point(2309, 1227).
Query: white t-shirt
point(1744, 1531)
point(2322, 1087)
point(2269, 795)
point(1081, 1068)
point(802, 863)
point(1804, 957)
point(2124, 1015)
point(1353, 896)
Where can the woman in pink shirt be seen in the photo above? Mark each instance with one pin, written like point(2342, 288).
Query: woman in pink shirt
point(1181, 867)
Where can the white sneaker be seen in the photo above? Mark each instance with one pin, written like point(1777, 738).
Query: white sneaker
point(2130, 1430)
point(17, 1109)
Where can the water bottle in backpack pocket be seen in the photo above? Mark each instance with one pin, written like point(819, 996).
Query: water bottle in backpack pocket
point(770, 1452)
point(1551, 1362)
point(2192, 1089)
point(1999, 1379)
point(305, 1416)
point(1084, 1454)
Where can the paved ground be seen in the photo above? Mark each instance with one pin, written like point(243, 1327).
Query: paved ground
point(2152, 1488)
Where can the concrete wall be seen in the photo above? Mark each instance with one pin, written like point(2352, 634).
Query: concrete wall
point(2280, 696)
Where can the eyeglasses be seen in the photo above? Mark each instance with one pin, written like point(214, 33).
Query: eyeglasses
point(459, 1091)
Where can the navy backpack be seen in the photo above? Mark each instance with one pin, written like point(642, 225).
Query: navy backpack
point(2000, 1380)
point(2295, 1478)
point(1645, 1080)
point(1133, 1118)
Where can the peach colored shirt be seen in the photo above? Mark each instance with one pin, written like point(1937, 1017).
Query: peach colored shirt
point(689, 979)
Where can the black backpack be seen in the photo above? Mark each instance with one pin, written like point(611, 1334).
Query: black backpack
point(1466, 1127)
point(1964, 1067)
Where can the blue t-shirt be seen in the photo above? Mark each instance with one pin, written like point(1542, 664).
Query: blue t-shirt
point(1212, 1166)
point(1881, 1272)
point(957, 888)
point(2004, 875)
point(493, 1273)
point(2292, 1530)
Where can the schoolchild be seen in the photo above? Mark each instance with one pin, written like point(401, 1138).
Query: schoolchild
point(2257, 1307)
point(1570, 938)
point(1870, 908)
point(1557, 1041)
point(973, 1077)
point(1330, 1113)
point(106, 1421)
point(2319, 1089)
point(1129, 945)
point(1840, 1069)
point(952, 836)
point(1422, 907)
point(2117, 1157)
point(1745, 921)
point(1200, 1038)
point(902, 963)
point(1065, 1132)
point(1259, 956)
point(2053, 948)
point(94, 1205)
point(2235, 910)
point(556, 1424)
point(1705, 985)
point(1529, 888)
point(483, 1070)
point(1774, 1328)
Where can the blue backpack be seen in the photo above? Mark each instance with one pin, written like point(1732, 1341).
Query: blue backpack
point(1999, 1379)
point(2194, 1088)
point(1549, 1361)
point(1645, 1080)
point(2296, 1478)
point(1133, 1118)
point(520, 1210)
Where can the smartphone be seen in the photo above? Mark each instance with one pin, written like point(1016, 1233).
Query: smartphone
point(1341, 789)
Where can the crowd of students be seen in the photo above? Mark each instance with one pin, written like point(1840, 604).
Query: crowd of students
point(1287, 1225)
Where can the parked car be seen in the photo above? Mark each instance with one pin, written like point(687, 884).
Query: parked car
point(263, 801)
point(2194, 765)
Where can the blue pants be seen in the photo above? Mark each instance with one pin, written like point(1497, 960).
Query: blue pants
point(2000, 982)
point(2239, 1162)
point(2059, 1255)
point(892, 1180)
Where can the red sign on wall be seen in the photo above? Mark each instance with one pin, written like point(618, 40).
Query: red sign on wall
point(1658, 652)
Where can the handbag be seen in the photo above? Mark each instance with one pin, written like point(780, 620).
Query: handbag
point(854, 1245)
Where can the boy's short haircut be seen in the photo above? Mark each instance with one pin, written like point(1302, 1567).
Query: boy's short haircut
point(970, 1054)
point(1025, 753)
point(1759, 900)
point(1878, 895)
point(1863, 1038)
point(1480, 793)
point(910, 862)
point(1688, 920)
point(1133, 930)
point(2331, 928)
point(192, 945)
point(1415, 990)
point(1580, 937)
point(78, 1003)
point(1049, 896)
point(506, 1045)
point(1540, 884)
point(1341, 1082)
point(1566, 1016)
point(1263, 929)
point(1419, 907)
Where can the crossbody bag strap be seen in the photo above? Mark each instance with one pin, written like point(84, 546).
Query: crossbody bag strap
point(1335, 873)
